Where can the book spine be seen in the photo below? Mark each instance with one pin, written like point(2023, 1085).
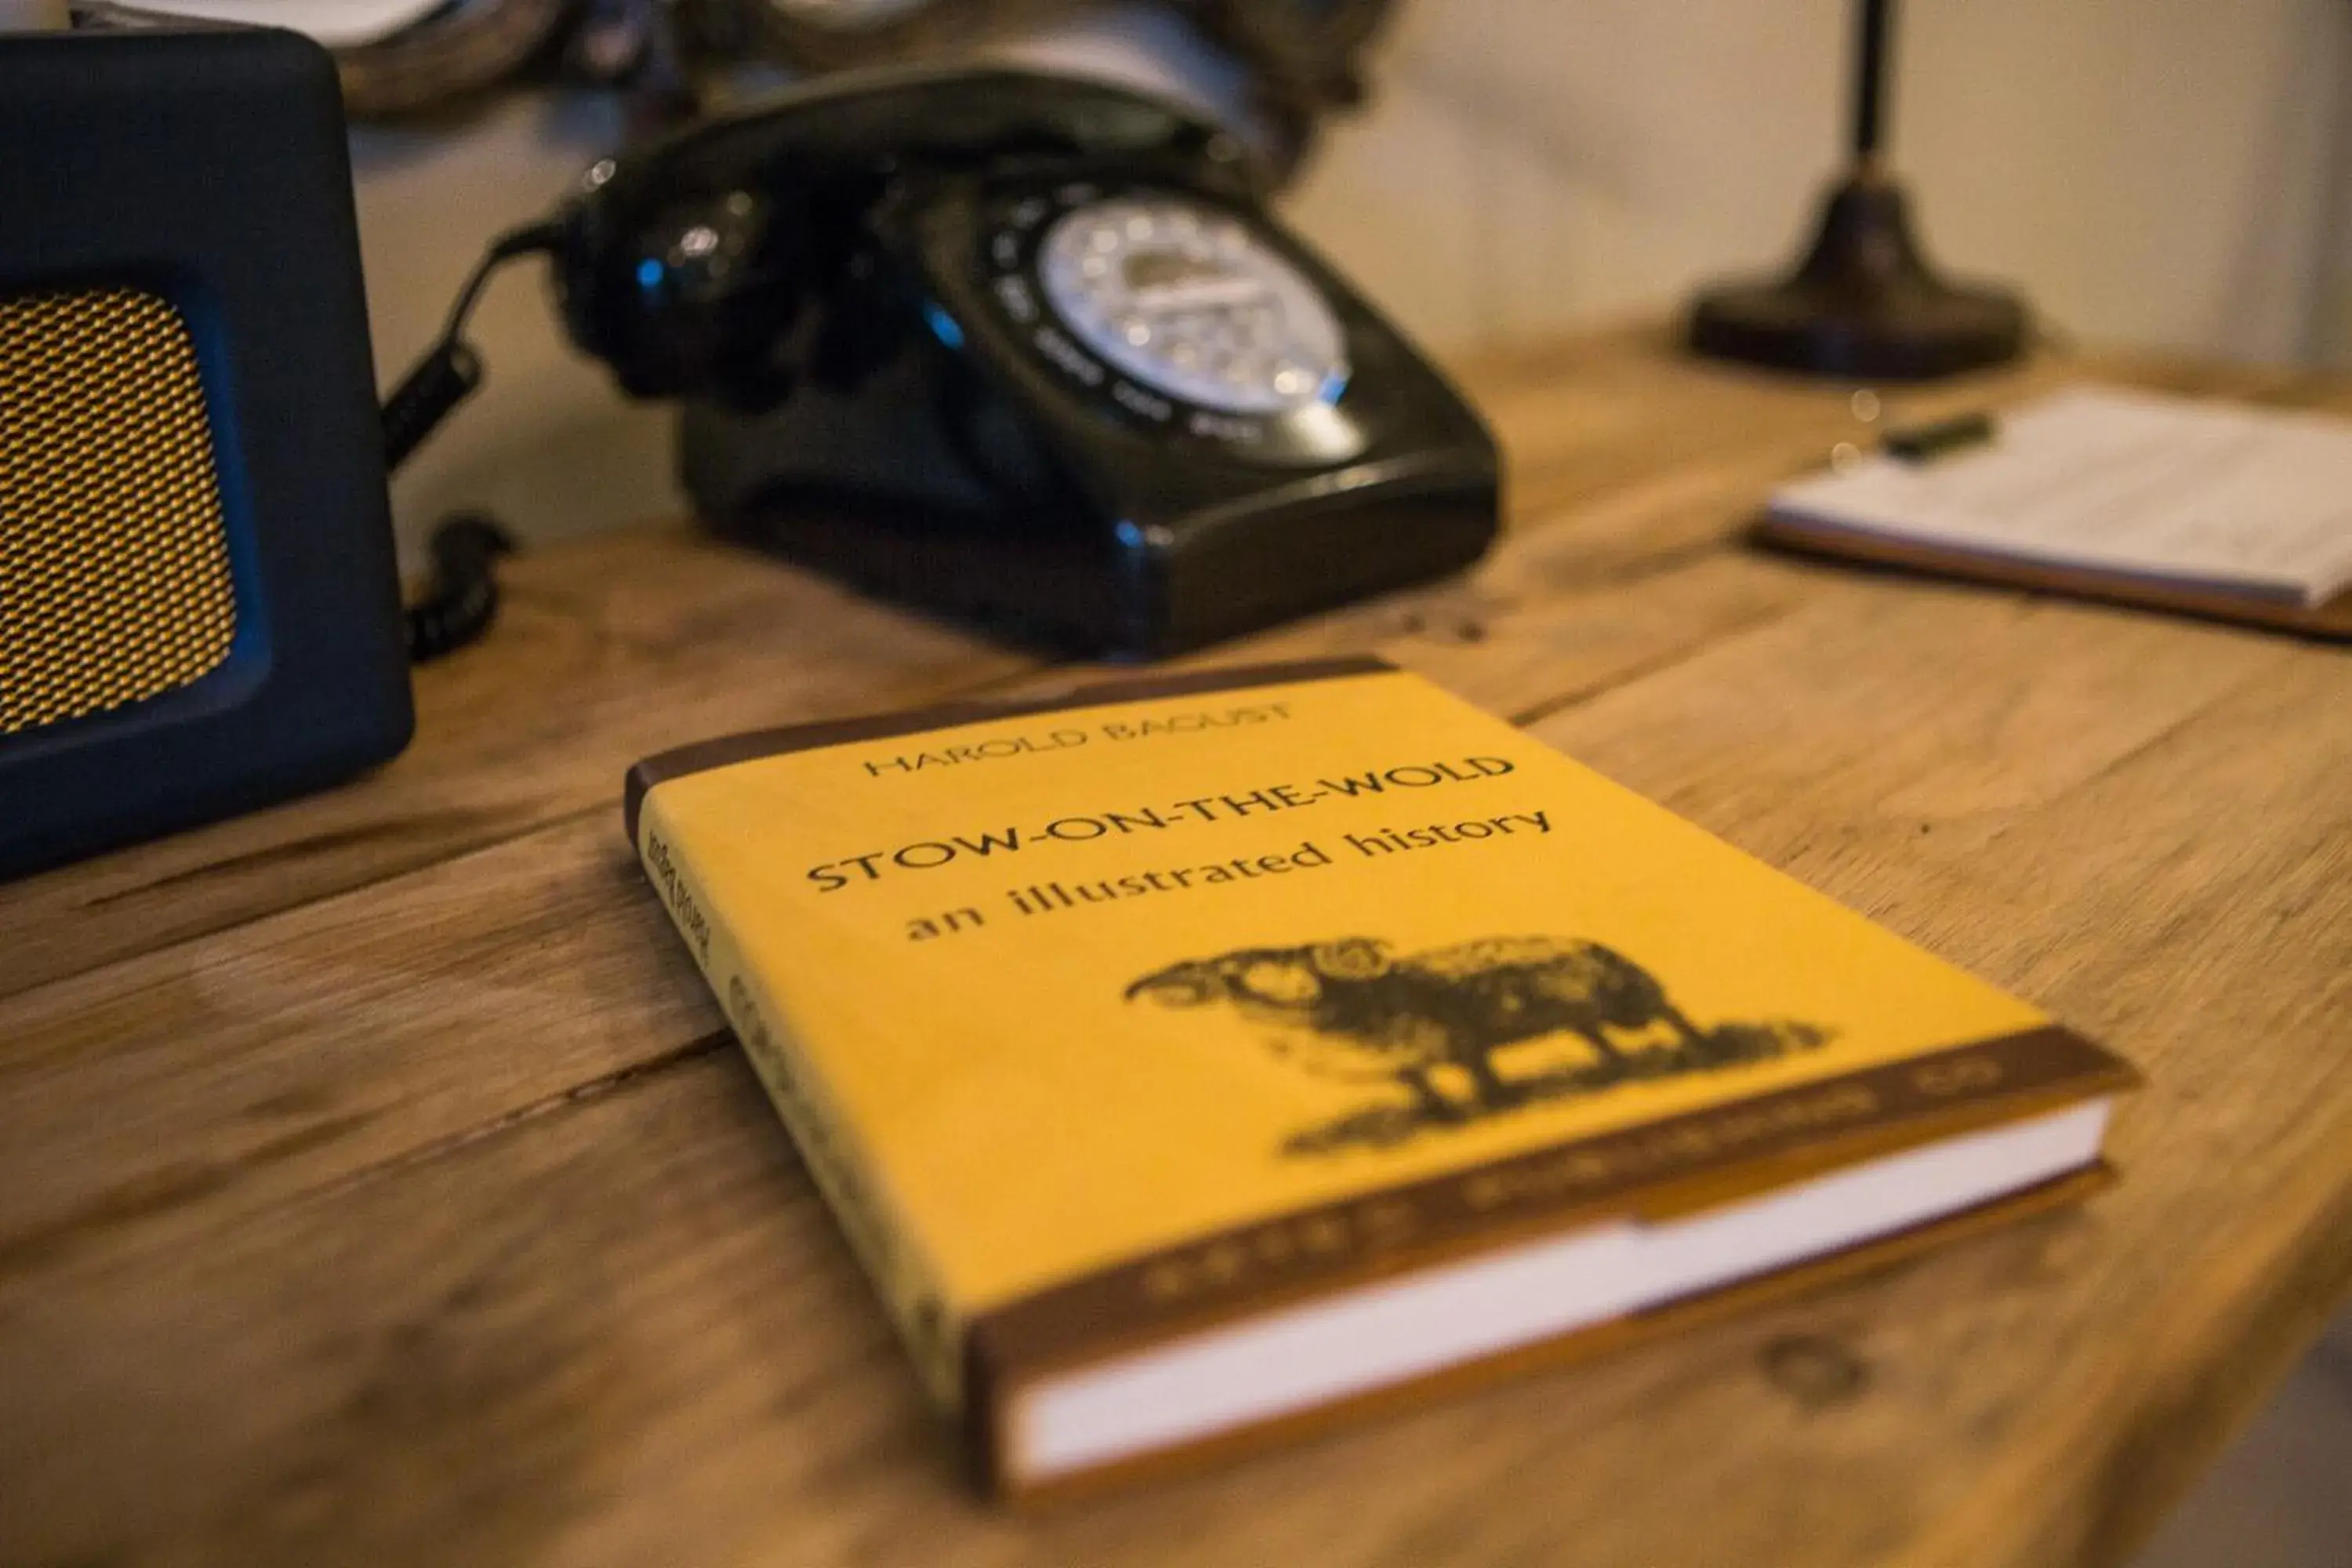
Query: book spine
point(846, 1176)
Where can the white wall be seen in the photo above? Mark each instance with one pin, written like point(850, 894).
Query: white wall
point(548, 444)
point(2330, 334)
point(2163, 171)
point(2151, 171)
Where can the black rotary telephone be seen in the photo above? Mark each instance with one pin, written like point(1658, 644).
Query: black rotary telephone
point(1021, 346)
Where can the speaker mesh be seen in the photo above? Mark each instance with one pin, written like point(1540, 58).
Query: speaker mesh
point(114, 570)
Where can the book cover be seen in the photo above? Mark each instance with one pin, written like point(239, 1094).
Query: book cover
point(1108, 1021)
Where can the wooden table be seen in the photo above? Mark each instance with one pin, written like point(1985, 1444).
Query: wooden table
point(378, 1185)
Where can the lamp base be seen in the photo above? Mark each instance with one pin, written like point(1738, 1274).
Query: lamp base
point(1864, 305)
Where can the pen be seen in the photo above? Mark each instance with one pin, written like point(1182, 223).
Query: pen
point(1921, 443)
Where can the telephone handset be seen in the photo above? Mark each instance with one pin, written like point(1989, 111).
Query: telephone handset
point(1026, 346)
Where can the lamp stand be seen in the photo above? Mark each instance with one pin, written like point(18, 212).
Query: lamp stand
point(1864, 303)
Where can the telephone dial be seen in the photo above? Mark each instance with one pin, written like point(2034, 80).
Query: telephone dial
point(1025, 347)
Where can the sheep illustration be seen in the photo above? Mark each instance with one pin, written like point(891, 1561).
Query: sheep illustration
point(1347, 1008)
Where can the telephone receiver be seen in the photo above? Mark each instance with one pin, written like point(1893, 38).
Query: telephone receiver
point(1023, 347)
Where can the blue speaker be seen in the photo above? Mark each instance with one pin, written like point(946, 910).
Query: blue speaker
point(199, 602)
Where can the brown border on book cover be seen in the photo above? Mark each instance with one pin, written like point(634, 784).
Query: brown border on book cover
point(1686, 1313)
point(2331, 621)
point(727, 750)
point(1677, 1165)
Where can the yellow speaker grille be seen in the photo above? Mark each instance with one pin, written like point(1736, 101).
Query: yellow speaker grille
point(114, 570)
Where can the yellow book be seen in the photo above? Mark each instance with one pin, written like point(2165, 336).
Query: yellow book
point(1192, 1060)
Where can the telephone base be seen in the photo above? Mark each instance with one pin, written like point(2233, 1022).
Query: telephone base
point(1072, 581)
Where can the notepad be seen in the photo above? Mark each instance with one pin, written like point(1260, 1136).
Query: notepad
point(2172, 500)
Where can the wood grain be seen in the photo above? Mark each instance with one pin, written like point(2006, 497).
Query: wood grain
point(534, 724)
point(399, 1200)
point(605, 651)
point(162, 1091)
